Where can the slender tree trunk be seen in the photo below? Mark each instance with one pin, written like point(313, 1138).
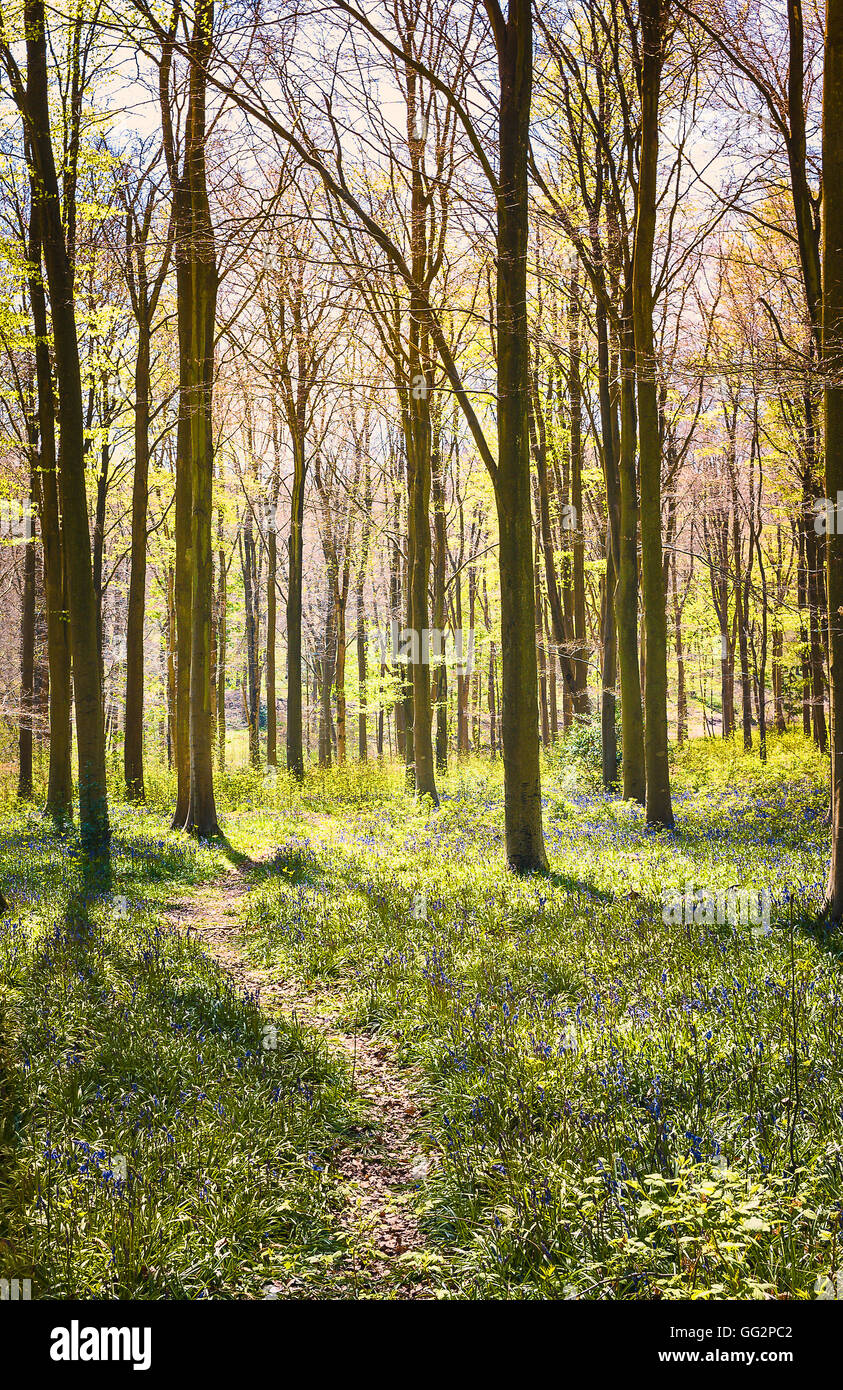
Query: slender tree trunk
point(339, 681)
point(362, 679)
point(440, 562)
point(202, 815)
point(580, 658)
point(815, 648)
point(222, 637)
point(551, 681)
point(295, 751)
point(90, 730)
point(681, 687)
point(762, 662)
point(362, 671)
point(182, 578)
point(60, 778)
point(493, 741)
point(395, 619)
point(832, 338)
point(608, 724)
point(626, 588)
point(742, 621)
point(326, 675)
point(271, 715)
point(804, 648)
point(544, 712)
point(658, 801)
point(133, 743)
point(27, 655)
point(247, 555)
point(609, 452)
point(98, 547)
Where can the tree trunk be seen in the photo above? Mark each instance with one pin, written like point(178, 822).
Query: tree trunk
point(681, 687)
point(658, 800)
point(27, 654)
point(295, 751)
point(813, 564)
point(60, 779)
point(362, 671)
point(90, 731)
point(609, 453)
point(250, 595)
point(133, 742)
point(525, 850)
point(579, 694)
point(832, 336)
point(222, 637)
point(171, 666)
point(339, 679)
point(440, 675)
point(626, 588)
point(202, 815)
point(609, 676)
point(271, 715)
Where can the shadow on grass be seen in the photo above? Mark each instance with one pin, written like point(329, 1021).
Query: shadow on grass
point(96, 883)
point(579, 886)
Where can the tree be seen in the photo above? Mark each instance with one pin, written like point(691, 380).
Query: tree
point(142, 203)
point(196, 281)
point(654, 17)
point(832, 360)
point(54, 215)
point(510, 472)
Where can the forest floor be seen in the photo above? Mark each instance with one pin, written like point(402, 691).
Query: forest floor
point(341, 1052)
point(379, 1160)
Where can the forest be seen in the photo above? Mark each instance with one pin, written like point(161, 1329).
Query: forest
point(421, 559)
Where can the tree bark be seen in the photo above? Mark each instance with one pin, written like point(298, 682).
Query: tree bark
point(271, 625)
point(202, 816)
point(27, 654)
point(84, 641)
point(60, 778)
point(653, 14)
point(525, 849)
point(295, 751)
point(133, 742)
point(832, 339)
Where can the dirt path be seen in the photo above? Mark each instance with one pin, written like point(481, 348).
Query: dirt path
point(378, 1165)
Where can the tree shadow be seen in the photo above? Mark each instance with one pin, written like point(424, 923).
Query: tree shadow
point(96, 884)
point(580, 886)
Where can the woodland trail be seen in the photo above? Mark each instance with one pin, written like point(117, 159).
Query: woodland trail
point(379, 1163)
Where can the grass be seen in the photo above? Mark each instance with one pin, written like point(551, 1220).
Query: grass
point(616, 1106)
point(162, 1149)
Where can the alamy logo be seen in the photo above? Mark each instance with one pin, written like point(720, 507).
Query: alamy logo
point(114, 651)
point(15, 1290)
point(75, 1343)
point(15, 519)
point(828, 516)
point(408, 646)
point(829, 1286)
point(706, 907)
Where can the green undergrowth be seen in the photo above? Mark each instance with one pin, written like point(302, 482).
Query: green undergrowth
point(617, 1100)
point(620, 1106)
point(158, 1141)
